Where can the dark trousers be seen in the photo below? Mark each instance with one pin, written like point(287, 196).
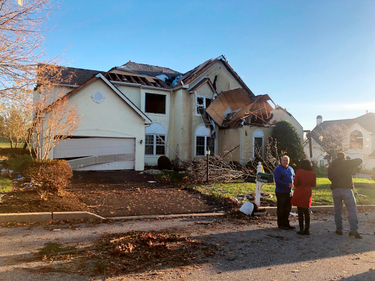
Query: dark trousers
point(303, 214)
point(283, 208)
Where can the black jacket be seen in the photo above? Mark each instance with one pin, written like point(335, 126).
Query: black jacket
point(340, 172)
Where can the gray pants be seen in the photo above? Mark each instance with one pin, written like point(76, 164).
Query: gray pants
point(345, 195)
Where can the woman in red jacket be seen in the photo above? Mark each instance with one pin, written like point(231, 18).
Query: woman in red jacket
point(303, 181)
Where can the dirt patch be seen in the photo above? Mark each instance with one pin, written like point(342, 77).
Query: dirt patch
point(112, 194)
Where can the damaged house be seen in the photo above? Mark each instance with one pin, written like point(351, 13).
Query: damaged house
point(133, 114)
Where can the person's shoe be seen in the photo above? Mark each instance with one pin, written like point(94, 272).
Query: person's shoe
point(301, 232)
point(283, 227)
point(306, 232)
point(291, 227)
point(338, 232)
point(355, 234)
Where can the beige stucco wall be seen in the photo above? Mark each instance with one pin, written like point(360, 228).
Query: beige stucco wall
point(279, 114)
point(132, 93)
point(224, 81)
point(111, 118)
point(230, 138)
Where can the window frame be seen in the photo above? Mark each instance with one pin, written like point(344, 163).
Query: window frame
point(356, 140)
point(258, 134)
point(155, 144)
point(205, 145)
point(153, 112)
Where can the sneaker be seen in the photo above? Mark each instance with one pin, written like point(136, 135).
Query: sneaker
point(283, 227)
point(338, 232)
point(306, 232)
point(291, 227)
point(301, 232)
point(355, 234)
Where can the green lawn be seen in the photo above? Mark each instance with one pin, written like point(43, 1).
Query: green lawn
point(5, 185)
point(4, 143)
point(322, 194)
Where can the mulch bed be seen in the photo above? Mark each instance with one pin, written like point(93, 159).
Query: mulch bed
point(112, 194)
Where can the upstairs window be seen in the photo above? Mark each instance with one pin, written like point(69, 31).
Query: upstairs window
point(356, 140)
point(202, 104)
point(155, 103)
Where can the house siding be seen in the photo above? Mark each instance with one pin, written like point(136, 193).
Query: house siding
point(109, 118)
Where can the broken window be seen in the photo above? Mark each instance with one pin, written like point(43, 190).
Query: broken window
point(202, 104)
point(356, 140)
point(258, 137)
point(258, 147)
point(155, 103)
point(155, 145)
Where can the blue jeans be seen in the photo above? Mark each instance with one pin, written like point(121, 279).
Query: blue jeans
point(339, 195)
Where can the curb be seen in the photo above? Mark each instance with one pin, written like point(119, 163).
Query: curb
point(167, 216)
point(48, 216)
point(324, 208)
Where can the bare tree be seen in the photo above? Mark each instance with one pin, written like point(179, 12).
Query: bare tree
point(15, 121)
point(21, 37)
point(55, 118)
point(270, 158)
point(333, 138)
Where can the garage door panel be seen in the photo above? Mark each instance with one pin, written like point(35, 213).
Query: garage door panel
point(98, 153)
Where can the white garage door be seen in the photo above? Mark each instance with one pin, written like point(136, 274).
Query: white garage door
point(95, 154)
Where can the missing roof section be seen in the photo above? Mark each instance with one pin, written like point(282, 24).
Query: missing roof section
point(117, 75)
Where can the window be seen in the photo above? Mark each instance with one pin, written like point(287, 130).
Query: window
point(204, 141)
point(202, 103)
point(155, 145)
point(258, 145)
point(155, 139)
point(155, 103)
point(356, 140)
point(204, 144)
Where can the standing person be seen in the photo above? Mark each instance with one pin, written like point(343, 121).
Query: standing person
point(340, 175)
point(304, 180)
point(284, 175)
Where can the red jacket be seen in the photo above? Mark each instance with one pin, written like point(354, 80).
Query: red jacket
point(303, 182)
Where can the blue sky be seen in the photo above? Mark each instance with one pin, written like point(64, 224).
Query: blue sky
point(311, 57)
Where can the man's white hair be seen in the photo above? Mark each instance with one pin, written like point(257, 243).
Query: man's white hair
point(286, 156)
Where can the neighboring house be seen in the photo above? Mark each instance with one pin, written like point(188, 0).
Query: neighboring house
point(135, 113)
point(359, 142)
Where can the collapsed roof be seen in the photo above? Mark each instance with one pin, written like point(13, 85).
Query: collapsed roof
point(235, 108)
